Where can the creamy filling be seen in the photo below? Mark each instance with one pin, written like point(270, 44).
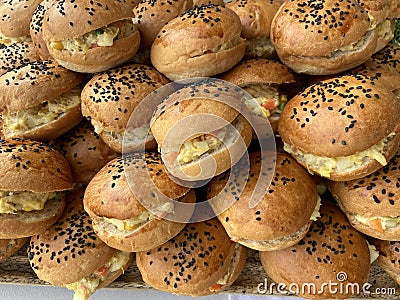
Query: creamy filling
point(384, 29)
point(193, 149)
point(231, 269)
point(45, 113)
point(12, 202)
point(260, 47)
point(378, 223)
point(315, 214)
point(327, 165)
point(270, 101)
point(8, 41)
point(133, 224)
point(88, 285)
point(132, 136)
point(353, 46)
point(373, 253)
point(102, 37)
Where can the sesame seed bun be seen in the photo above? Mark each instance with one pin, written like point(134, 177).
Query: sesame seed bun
point(85, 151)
point(214, 100)
point(110, 98)
point(210, 43)
point(31, 167)
point(282, 216)
point(16, 55)
point(308, 45)
point(70, 250)
point(68, 20)
point(9, 247)
point(390, 55)
point(109, 196)
point(389, 257)
point(33, 86)
point(151, 16)
point(336, 119)
point(15, 18)
point(331, 249)
point(394, 11)
point(372, 197)
point(205, 2)
point(35, 28)
point(194, 261)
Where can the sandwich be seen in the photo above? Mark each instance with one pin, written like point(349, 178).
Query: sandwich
point(110, 98)
point(70, 255)
point(323, 37)
point(34, 179)
point(282, 212)
point(209, 43)
point(132, 203)
point(199, 261)
point(40, 100)
point(371, 203)
point(90, 37)
point(332, 127)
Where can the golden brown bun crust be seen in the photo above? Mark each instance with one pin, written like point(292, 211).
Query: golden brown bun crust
point(205, 2)
point(151, 16)
point(330, 247)
point(285, 208)
point(26, 224)
point(50, 130)
point(34, 83)
point(10, 246)
point(85, 151)
point(256, 16)
point(151, 235)
point(308, 46)
point(110, 98)
point(73, 253)
point(110, 187)
point(389, 257)
point(69, 19)
point(394, 11)
point(256, 71)
point(89, 62)
point(15, 17)
point(17, 55)
point(204, 97)
point(35, 28)
point(189, 272)
point(378, 9)
point(27, 165)
point(322, 126)
point(201, 31)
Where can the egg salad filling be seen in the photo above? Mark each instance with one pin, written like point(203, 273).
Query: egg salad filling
point(384, 29)
point(8, 41)
point(102, 37)
point(85, 287)
point(129, 225)
point(237, 40)
point(327, 165)
point(270, 101)
point(12, 202)
point(27, 119)
point(232, 265)
point(193, 149)
point(260, 47)
point(379, 224)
